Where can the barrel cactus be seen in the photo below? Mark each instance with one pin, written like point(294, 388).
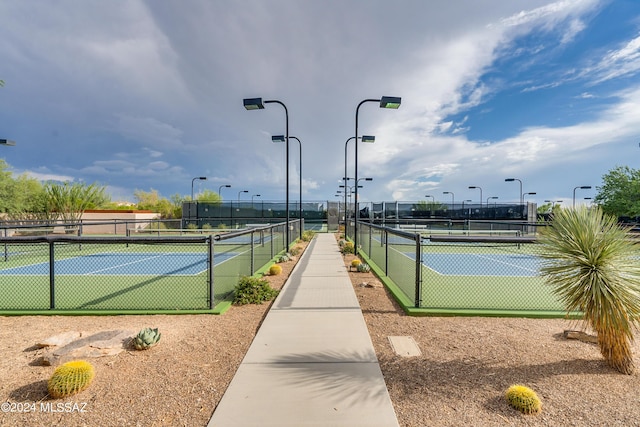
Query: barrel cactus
point(523, 399)
point(355, 262)
point(146, 339)
point(274, 270)
point(70, 378)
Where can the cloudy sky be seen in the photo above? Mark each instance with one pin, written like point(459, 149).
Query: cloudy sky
point(148, 95)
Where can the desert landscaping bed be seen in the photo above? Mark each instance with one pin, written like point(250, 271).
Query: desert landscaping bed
point(465, 366)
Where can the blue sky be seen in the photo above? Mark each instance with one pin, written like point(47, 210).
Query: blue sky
point(148, 95)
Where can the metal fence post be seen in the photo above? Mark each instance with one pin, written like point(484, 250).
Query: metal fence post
point(386, 252)
point(418, 296)
point(252, 252)
point(210, 252)
point(52, 287)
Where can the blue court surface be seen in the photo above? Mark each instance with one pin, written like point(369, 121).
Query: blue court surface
point(125, 264)
point(481, 264)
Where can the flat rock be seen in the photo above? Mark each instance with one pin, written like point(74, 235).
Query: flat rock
point(106, 343)
point(60, 339)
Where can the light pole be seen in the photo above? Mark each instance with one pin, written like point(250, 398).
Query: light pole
point(527, 194)
point(583, 187)
point(258, 104)
point(473, 187)
point(240, 192)
point(452, 198)
point(281, 138)
point(252, 196)
point(463, 212)
point(516, 179)
point(201, 178)
point(221, 187)
point(490, 198)
point(391, 102)
point(345, 178)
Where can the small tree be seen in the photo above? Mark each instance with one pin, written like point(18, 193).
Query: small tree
point(594, 268)
point(68, 201)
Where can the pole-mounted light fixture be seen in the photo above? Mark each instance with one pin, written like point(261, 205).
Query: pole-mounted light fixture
point(258, 104)
point(391, 102)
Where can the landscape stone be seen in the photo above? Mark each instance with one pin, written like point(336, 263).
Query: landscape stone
point(106, 343)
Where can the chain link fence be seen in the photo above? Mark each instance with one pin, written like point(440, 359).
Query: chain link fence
point(135, 273)
point(462, 274)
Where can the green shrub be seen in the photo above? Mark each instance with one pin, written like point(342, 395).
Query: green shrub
point(192, 226)
point(252, 290)
point(70, 378)
point(523, 399)
point(295, 251)
point(207, 226)
point(348, 248)
point(283, 258)
point(308, 235)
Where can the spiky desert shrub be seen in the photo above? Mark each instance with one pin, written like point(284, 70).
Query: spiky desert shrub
point(593, 267)
point(70, 378)
point(523, 399)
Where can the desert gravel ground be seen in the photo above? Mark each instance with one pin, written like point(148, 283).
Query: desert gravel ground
point(460, 379)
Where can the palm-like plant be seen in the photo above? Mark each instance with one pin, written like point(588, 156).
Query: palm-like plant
point(595, 269)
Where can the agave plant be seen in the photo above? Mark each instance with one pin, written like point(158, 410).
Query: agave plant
point(594, 269)
point(146, 338)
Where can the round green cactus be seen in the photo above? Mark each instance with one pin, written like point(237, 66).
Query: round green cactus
point(523, 399)
point(275, 269)
point(70, 378)
point(364, 268)
point(146, 338)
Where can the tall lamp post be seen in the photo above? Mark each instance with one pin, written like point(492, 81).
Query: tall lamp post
point(391, 102)
point(345, 178)
point(516, 179)
point(201, 178)
point(281, 138)
point(473, 187)
point(258, 104)
point(583, 187)
point(220, 189)
point(491, 198)
point(452, 198)
point(527, 194)
point(240, 192)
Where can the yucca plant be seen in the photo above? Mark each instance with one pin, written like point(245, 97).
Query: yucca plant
point(594, 269)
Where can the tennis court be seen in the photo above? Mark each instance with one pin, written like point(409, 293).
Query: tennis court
point(124, 264)
point(466, 264)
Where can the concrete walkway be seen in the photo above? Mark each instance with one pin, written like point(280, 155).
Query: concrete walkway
point(312, 362)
